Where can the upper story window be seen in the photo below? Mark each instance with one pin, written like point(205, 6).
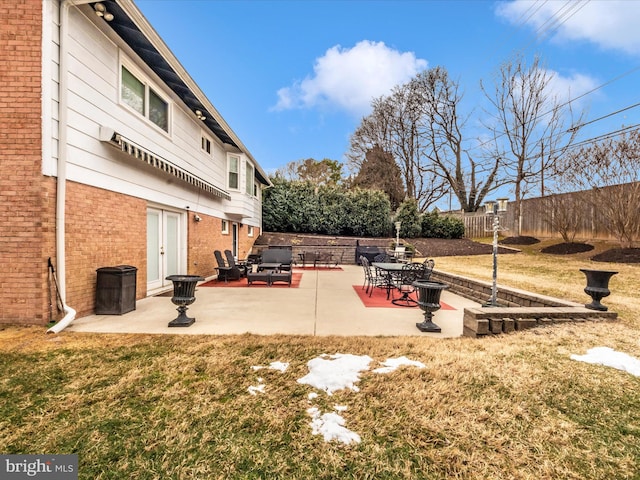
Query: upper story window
point(206, 144)
point(142, 98)
point(249, 179)
point(234, 172)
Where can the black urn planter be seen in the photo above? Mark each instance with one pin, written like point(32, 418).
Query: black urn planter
point(597, 287)
point(184, 288)
point(429, 301)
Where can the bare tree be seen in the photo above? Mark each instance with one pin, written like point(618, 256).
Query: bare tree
point(560, 213)
point(318, 172)
point(599, 167)
point(442, 127)
point(529, 126)
point(394, 127)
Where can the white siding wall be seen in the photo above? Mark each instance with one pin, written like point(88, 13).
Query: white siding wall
point(94, 70)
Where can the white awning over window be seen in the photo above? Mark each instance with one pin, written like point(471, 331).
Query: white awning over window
point(128, 146)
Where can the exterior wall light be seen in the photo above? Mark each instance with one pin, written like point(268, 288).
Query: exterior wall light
point(101, 11)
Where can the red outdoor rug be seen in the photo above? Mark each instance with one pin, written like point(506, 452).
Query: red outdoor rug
point(295, 283)
point(311, 267)
point(378, 299)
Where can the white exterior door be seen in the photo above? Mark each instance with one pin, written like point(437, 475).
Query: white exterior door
point(164, 246)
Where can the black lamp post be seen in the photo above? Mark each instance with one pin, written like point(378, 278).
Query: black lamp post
point(495, 209)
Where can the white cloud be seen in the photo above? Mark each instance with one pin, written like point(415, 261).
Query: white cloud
point(611, 24)
point(349, 78)
point(571, 87)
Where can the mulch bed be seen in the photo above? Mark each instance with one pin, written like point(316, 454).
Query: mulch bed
point(521, 240)
point(441, 247)
point(619, 255)
point(568, 248)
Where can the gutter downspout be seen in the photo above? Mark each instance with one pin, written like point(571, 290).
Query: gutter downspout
point(61, 186)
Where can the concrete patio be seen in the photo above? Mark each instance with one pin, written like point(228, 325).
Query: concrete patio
point(324, 304)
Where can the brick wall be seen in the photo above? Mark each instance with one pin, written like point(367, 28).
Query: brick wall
point(104, 229)
point(206, 236)
point(27, 199)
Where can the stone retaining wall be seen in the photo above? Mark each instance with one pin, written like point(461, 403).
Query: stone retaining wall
point(519, 309)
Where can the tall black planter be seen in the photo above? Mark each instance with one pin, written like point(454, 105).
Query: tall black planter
point(597, 287)
point(429, 301)
point(184, 288)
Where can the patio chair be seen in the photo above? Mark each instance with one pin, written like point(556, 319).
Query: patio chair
point(410, 273)
point(282, 256)
point(382, 279)
point(400, 252)
point(237, 271)
point(383, 258)
point(368, 276)
point(224, 270)
point(429, 264)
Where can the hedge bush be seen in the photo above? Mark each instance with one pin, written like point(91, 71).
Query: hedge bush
point(301, 207)
point(436, 226)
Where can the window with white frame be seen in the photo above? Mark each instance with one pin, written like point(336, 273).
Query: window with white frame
point(234, 172)
point(225, 227)
point(249, 179)
point(142, 98)
point(250, 231)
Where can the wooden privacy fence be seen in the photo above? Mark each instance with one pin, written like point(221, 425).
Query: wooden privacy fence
point(546, 216)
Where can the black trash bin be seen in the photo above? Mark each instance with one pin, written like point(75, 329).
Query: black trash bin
point(116, 290)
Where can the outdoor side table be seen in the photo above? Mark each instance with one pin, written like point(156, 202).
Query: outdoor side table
point(184, 288)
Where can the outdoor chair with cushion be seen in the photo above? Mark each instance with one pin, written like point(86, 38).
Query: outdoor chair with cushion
point(224, 270)
point(236, 271)
point(409, 274)
point(281, 256)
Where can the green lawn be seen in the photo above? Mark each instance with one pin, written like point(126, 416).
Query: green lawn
point(178, 407)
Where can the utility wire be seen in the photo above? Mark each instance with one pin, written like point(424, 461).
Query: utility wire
point(577, 127)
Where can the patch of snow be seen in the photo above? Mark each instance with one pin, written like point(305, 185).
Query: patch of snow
point(610, 358)
point(281, 366)
point(254, 390)
point(336, 372)
point(331, 427)
point(392, 364)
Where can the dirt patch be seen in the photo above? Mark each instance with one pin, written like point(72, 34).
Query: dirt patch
point(522, 240)
point(425, 247)
point(618, 255)
point(567, 248)
point(443, 247)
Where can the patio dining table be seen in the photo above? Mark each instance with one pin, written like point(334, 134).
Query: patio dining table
point(392, 271)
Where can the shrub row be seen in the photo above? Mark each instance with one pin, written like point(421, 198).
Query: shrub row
point(302, 207)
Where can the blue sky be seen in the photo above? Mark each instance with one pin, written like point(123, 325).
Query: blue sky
point(294, 78)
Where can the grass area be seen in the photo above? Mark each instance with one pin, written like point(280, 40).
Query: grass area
point(177, 407)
